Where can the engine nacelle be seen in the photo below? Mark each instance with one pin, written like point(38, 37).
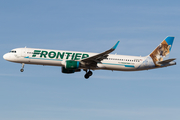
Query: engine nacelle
point(68, 71)
point(72, 65)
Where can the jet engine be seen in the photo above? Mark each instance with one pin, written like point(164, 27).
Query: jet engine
point(71, 66)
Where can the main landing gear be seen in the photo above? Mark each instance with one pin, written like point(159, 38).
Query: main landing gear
point(88, 74)
point(22, 69)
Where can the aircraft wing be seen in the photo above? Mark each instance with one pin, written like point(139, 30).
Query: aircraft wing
point(166, 61)
point(99, 57)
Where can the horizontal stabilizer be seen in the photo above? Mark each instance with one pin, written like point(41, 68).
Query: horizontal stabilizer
point(166, 61)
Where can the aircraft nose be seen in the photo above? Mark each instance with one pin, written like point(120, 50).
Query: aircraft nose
point(5, 56)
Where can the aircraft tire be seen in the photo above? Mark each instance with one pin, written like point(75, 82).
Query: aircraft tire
point(90, 73)
point(22, 70)
point(86, 76)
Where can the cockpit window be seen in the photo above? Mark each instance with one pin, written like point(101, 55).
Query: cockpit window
point(12, 51)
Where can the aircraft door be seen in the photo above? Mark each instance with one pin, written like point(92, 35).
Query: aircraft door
point(23, 52)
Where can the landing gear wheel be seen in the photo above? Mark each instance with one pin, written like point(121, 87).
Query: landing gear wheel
point(22, 70)
point(89, 73)
point(86, 76)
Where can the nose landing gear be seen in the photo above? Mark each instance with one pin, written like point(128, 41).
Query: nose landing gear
point(88, 74)
point(22, 69)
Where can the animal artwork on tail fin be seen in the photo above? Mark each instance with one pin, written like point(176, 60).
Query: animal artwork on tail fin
point(162, 50)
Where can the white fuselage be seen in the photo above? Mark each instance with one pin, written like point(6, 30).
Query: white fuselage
point(73, 61)
point(58, 58)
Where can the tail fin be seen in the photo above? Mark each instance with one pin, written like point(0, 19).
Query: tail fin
point(162, 50)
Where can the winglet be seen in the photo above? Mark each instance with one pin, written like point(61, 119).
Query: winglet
point(114, 47)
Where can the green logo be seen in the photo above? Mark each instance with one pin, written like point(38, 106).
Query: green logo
point(59, 55)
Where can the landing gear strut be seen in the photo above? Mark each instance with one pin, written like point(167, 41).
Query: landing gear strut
point(22, 69)
point(88, 74)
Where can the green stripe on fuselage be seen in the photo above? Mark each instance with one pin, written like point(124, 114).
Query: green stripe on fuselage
point(43, 59)
point(119, 65)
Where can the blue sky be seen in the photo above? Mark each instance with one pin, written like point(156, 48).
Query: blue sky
point(43, 92)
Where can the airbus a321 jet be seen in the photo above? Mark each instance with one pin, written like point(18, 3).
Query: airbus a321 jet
point(73, 61)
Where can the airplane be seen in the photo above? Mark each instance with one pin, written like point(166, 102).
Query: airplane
point(73, 61)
